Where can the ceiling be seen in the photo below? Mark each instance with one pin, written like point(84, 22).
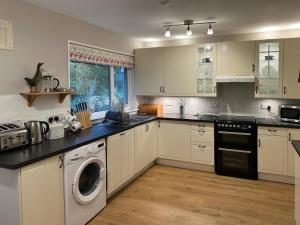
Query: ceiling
point(144, 19)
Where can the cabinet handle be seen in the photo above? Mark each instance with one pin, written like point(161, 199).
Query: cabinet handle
point(256, 89)
point(122, 134)
point(272, 130)
point(201, 131)
point(258, 142)
point(284, 90)
point(158, 123)
point(147, 127)
point(214, 89)
point(164, 89)
point(160, 89)
point(253, 67)
point(61, 162)
point(289, 136)
point(201, 146)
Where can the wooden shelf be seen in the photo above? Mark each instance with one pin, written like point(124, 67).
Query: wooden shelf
point(31, 96)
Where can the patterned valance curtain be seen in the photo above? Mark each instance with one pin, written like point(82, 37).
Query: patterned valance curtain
point(95, 55)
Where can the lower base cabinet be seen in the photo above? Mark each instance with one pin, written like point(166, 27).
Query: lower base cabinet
point(174, 140)
point(276, 154)
point(120, 159)
point(146, 145)
point(42, 194)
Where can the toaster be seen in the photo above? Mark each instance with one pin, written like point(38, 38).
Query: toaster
point(12, 135)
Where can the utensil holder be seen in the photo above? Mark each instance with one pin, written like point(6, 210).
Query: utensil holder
point(84, 117)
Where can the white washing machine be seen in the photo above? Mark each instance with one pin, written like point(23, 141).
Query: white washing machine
point(84, 182)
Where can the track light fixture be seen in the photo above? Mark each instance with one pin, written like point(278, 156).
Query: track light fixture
point(168, 32)
point(210, 31)
point(189, 23)
point(189, 31)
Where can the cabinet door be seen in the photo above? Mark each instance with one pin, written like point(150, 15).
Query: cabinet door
point(294, 134)
point(127, 156)
point(146, 145)
point(114, 158)
point(202, 153)
point(272, 154)
point(235, 58)
point(291, 82)
point(174, 140)
point(205, 70)
point(148, 71)
point(177, 70)
point(42, 193)
point(269, 64)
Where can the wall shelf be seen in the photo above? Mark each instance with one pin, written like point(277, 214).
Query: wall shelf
point(31, 96)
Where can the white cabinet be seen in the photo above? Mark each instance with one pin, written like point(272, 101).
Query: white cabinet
point(291, 75)
point(272, 150)
point(42, 196)
point(269, 64)
point(235, 58)
point(148, 71)
point(205, 70)
point(294, 134)
point(202, 143)
point(120, 159)
point(146, 145)
point(177, 70)
point(174, 140)
point(164, 71)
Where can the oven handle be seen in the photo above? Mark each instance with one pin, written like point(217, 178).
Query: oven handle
point(234, 150)
point(237, 133)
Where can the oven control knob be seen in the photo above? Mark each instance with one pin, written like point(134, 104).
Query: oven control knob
point(249, 127)
point(222, 125)
point(219, 125)
point(234, 125)
point(230, 125)
point(238, 126)
point(226, 125)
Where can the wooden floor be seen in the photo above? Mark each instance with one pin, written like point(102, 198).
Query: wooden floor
point(165, 195)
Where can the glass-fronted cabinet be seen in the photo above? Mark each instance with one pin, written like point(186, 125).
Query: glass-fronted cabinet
point(269, 69)
point(205, 70)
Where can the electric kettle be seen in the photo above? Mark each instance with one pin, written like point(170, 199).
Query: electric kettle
point(37, 131)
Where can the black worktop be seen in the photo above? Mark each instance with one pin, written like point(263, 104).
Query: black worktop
point(23, 156)
point(296, 145)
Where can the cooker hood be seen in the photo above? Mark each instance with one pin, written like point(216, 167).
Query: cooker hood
point(235, 79)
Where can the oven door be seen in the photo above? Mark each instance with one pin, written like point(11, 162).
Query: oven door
point(236, 162)
point(235, 140)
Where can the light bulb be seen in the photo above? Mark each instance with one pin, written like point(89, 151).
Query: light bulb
point(210, 31)
point(168, 33)
point(189, 31)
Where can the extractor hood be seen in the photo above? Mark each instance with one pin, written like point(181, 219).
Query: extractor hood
point(235, 79)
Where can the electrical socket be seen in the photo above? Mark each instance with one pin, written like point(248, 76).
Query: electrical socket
point(265, 106)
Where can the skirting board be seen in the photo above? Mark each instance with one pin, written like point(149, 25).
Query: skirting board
point(185, 165)
point(276, 178)
point(131, 179)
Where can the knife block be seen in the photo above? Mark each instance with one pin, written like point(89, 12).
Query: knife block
point(84, 117)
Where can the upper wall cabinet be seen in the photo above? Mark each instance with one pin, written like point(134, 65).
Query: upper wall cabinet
point(269, 55)
point(291, 74)
point(235, 58)
point(165, 71)
point(205, 70)
point(148, 71)
point(177, 70)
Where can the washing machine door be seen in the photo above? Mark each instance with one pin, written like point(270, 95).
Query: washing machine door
point(89, 180)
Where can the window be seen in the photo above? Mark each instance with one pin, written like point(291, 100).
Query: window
point(120, 84)
point(98, 85)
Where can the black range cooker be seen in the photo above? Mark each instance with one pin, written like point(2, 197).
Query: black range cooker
point(236, 146)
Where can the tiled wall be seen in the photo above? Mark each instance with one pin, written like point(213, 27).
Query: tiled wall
point(233, 98)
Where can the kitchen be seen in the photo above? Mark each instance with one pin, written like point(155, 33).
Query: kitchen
point(215, 141)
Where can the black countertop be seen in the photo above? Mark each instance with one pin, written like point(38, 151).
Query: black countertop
point(23, 156)
point(270, 122)
point(296, 145)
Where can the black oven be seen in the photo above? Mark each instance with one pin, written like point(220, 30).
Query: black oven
point(236, 148)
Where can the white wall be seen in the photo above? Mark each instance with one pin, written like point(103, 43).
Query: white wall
point(41, 36)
